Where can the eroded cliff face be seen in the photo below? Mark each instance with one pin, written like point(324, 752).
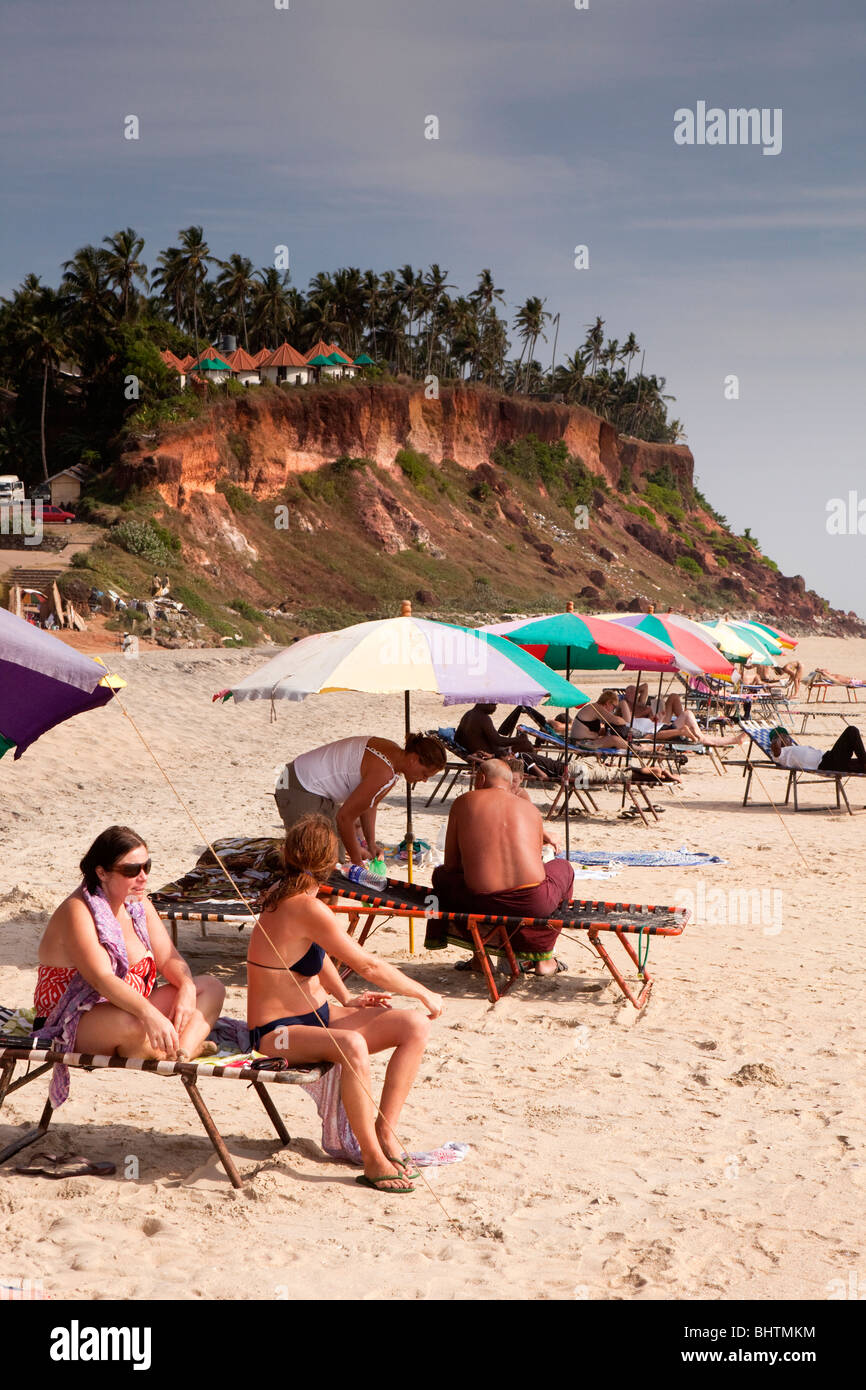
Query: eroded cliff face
point(259, 440)
point(481, 530)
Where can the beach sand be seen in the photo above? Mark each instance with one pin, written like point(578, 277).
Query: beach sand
point(712, 1147)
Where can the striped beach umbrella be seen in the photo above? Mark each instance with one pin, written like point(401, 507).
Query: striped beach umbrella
point(43, 682)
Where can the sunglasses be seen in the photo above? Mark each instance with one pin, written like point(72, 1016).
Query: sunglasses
point(133, 870)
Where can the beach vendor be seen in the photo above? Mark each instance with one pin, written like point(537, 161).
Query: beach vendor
point(345, 781)
point(290, 1015)
point(99, 959)
point(493, 864)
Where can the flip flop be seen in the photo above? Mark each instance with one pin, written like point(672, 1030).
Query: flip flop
point(406, 1166)
point(65, 1166)
point(376, 1183)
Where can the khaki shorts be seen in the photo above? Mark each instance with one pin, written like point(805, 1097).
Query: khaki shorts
point(294, 801)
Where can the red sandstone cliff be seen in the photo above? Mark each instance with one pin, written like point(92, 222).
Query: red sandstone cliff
point(267, 435)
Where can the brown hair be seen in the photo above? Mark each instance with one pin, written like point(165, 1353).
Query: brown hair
point(105, 851)
point(606, 696)
point(427, 749)
point(308, 855)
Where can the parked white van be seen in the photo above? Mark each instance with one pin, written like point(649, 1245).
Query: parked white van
point(11, 488)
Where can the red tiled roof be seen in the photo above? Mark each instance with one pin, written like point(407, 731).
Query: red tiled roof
point(325, 349)
point(240, 361)
point(286, 356)
point(262, 356)
point(186, 362)
point(170, 360)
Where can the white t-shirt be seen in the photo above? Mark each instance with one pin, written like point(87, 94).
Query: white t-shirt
point(799, 756)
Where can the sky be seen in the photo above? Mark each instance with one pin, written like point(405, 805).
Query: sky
point(306, 126)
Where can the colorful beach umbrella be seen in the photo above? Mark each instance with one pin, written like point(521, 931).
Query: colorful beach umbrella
point(762, 630)
point(398, 655)
point(578, 642)
point(401, 655)
point(43, 682)
point(695, 649)
point(739, 644)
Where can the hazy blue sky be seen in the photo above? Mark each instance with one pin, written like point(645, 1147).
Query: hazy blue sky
point(306, 127)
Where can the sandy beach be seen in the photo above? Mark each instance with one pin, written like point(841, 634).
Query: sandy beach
point(712, 1147)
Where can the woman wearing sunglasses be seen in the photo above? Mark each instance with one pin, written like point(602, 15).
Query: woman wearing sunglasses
point(99, 959)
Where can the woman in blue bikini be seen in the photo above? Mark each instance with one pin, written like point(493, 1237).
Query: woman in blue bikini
point(289, 1013)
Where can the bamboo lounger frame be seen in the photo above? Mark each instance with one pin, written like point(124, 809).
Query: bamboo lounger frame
point(189, 1073)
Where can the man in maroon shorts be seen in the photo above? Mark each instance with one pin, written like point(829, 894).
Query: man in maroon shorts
point(493, 864)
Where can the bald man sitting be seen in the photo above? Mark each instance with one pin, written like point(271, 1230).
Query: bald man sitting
point(493, 864)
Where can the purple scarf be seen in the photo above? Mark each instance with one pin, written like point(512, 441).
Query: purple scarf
point(61, 1024)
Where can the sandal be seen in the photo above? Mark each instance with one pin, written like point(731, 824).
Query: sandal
point(406, 1166)
point(376, 1184)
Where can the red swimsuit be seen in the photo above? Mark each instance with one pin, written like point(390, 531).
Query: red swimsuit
point(53, 981)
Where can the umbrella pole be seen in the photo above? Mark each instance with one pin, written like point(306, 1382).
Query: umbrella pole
point(631, 721)
point(567, 712)
point(658, 711)
point(410, 838)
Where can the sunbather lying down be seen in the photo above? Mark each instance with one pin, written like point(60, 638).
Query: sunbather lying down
point(831, 677)
point(670, 723)
point(493, 864)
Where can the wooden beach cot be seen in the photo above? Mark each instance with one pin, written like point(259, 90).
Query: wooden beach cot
point(37, 1062)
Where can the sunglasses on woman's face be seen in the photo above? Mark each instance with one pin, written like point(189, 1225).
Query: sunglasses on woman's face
point(133, 870)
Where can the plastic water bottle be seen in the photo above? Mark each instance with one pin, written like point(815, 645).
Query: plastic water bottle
point(360, 874)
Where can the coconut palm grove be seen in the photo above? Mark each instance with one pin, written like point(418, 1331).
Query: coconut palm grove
point(68, 352)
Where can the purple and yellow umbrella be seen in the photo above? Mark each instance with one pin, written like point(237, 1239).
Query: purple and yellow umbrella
point(43, 682)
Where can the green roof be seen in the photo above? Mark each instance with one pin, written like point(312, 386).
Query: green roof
point(211, 364)
point(320, 360)
point(364, 361)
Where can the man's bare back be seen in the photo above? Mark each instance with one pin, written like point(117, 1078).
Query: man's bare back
point(496, 839)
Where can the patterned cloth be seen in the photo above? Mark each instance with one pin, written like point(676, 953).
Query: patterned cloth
point(647, 859)
point(61, 1025)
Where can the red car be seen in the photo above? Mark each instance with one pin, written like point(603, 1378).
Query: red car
point(56, 515)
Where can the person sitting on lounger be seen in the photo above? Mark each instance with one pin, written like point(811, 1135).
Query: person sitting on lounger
point(290, 978)
point(345, 781)
point(846, 755)
point(477, 733)
point(493, 864)
point(598, 723)
point(671, 724)
point(99, 958)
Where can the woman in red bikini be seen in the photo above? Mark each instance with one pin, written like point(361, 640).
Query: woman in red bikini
point(100, 956)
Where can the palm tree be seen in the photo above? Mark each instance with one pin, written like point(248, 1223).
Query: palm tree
point(45, 344)
point(274, 308)
point(372, 303)
point(123, 265)
point(595, 340)
point(195, 257)
point(570, 377)
point(236, 285)
point(170, 280)
point(409, 287)
point(529, 322)
point(86, 284)
point(436, 285)
point(630, 349)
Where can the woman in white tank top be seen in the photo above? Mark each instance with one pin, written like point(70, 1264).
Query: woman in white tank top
point(346, 780)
